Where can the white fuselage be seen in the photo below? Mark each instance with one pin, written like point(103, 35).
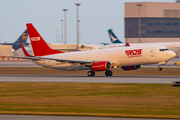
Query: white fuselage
point(174, 46)
point(121, 56)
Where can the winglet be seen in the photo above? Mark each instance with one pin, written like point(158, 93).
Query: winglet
point(25, 52)
point(40, 48)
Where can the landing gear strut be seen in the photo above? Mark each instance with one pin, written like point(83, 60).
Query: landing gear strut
point(91, 73)
point(108, 73)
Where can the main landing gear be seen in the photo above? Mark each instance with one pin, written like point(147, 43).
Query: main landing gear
point(91, 73)
point(107, 73)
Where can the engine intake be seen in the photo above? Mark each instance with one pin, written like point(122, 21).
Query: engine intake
point(131, 67)
point(101, 66)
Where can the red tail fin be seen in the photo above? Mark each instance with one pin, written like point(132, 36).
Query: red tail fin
point(40, 48)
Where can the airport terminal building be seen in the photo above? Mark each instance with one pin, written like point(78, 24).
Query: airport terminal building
point(147, 22)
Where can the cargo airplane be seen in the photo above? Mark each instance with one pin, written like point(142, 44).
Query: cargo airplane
point(21, 40)
point(174, 46)
point(127, 58)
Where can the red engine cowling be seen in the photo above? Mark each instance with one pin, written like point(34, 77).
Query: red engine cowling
point(131, 67)
point(101, 66)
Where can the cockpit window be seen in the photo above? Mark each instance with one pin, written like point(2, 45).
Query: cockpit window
point(166, 49)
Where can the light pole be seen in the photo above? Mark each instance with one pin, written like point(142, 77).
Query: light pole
point(77, 16)
point(139, 22)
point(56, 35)
point(79, 30)
point(65, 38)
point(62, 31)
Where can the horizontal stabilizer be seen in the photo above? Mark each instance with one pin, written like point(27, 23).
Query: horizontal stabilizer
point(25, 52)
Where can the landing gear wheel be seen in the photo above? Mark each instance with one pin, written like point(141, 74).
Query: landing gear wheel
point(91, 73)
point(108, 73)
point(160, 68)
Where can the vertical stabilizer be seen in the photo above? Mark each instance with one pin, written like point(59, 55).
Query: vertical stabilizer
point(23, 37)
point(40, 48)
point(113, 37)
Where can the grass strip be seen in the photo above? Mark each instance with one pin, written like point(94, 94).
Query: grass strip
point(90, 99)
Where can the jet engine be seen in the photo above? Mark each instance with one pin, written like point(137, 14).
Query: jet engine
point(101, 66)
point(131, 67)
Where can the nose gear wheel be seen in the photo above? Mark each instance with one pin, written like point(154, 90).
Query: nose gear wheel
point(160, 68)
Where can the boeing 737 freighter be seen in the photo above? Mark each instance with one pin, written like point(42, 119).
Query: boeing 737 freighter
point(174, 46)
point(127, 58)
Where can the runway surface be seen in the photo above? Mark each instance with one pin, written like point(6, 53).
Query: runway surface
point(34, 117)
point(23, 63)
point(86, 79)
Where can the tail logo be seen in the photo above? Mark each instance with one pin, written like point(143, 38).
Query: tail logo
point(24, 36)
point(113, 39)
point(133, 53)
point(35, 39)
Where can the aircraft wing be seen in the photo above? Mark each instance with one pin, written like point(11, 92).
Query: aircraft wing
point(30, 58)
point(68, 60)
point(57, 59)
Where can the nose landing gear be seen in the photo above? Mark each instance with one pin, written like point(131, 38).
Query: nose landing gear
point(160, 68)
point(161, 63)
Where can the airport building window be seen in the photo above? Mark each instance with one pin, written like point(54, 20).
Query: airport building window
point(150, 24)
point(151, 32)
point(143, 31)
point(175, 24)
point(176, 32)
point(159, 32)
point(167, 24)
point(163, 24)
point(153, 27)
point(167, 32)
point(159, 24)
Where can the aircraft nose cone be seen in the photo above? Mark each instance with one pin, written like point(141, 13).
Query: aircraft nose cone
point(171, 54)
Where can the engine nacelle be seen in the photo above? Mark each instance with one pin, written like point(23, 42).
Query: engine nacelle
point(131, 67)
point(101, 66)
